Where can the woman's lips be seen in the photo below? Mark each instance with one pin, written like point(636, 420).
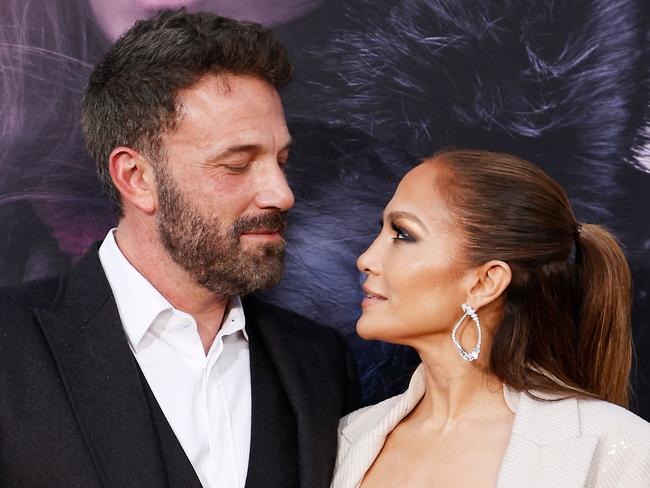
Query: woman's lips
point(371, 298)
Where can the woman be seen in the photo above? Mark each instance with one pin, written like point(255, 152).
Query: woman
point(521, 317)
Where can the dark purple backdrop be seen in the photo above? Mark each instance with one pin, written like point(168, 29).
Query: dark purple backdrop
point(378, 85)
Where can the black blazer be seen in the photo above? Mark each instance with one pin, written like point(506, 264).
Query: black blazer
point(76, 412)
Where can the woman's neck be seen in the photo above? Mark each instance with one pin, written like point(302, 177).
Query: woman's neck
point(457, 390)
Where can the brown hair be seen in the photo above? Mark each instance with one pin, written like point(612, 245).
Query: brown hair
point(131, 94)
point(566, 321)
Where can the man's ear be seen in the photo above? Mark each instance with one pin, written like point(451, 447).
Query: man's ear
point(133, 177)
point(490, 281)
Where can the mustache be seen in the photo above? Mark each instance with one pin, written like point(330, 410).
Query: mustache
point(271, 221)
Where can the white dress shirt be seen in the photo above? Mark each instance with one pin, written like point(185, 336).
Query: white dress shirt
point(205, 398)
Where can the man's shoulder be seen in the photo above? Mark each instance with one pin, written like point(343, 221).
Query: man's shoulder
point(85, 277)
point(40, 293)
point(18, 313)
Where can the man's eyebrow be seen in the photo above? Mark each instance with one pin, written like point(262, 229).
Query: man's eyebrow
point(236, 149)
point(400, 214)
point(244, 148)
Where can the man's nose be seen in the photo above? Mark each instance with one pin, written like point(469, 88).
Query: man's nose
point(274, 191)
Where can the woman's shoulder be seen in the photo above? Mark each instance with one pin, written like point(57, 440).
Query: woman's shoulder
point(575, 438)
point(612, 441)
point(622, 454)
point(587, 416)
point(605, 419)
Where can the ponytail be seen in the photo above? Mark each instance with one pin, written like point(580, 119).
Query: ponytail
point(604, 332)
point(565, 326)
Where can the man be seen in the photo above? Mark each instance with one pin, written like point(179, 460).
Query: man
point(141, 367)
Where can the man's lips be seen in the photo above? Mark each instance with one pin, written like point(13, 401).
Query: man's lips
point(263, 233)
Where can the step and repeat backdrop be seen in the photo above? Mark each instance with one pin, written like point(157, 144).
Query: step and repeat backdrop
point(378, 85)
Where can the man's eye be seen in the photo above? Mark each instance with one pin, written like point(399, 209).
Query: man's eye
point(237, 168)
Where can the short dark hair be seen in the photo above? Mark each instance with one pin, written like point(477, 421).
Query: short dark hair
point(131, 95)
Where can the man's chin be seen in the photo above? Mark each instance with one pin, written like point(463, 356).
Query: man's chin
point(260, 250)
point(265, 272)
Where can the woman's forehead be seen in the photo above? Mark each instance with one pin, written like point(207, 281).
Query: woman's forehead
point(419, 185)
point(422, 193)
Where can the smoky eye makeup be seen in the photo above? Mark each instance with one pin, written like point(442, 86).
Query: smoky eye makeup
point(401, 234)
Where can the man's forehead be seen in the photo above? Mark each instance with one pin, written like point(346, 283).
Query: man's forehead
point(248, 101)
point(248, 113)
point(227, 87)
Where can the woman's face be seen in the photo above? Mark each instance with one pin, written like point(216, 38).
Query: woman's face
point(415, 280)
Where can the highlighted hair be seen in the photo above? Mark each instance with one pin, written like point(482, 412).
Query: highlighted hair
point(566, 321)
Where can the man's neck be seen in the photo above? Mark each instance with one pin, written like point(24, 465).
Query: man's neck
point(144, 251)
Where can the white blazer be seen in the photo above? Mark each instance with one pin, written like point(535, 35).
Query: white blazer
point(566, 443)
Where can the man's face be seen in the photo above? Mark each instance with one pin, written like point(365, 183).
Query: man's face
point(222, 192)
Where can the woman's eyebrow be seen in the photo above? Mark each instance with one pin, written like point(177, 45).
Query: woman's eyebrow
point(400, 214)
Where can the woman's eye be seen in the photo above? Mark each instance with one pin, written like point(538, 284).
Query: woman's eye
point(400, 234)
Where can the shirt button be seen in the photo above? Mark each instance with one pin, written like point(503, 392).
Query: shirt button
point(185, 323)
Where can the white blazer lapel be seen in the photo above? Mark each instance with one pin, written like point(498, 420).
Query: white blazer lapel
point(547, 448)
point(362, 433)
point(354, 461)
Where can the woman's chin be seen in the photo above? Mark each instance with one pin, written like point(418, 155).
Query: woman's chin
point(371, 331)
point(364, 329)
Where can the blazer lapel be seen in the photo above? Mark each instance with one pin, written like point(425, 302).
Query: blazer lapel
point(100, 376)
point(291, 362)
point(362, 434)
point(547, 448)
point(358, 459)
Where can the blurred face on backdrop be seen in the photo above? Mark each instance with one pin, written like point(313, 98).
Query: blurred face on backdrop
point(115, 16)
point(222, 192)
point(416, 280)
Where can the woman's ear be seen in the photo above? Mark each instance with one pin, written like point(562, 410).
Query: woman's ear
point(133, 177)
point(490, 281)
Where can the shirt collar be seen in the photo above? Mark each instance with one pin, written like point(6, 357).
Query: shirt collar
point(139, 303)
point(234, 320)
